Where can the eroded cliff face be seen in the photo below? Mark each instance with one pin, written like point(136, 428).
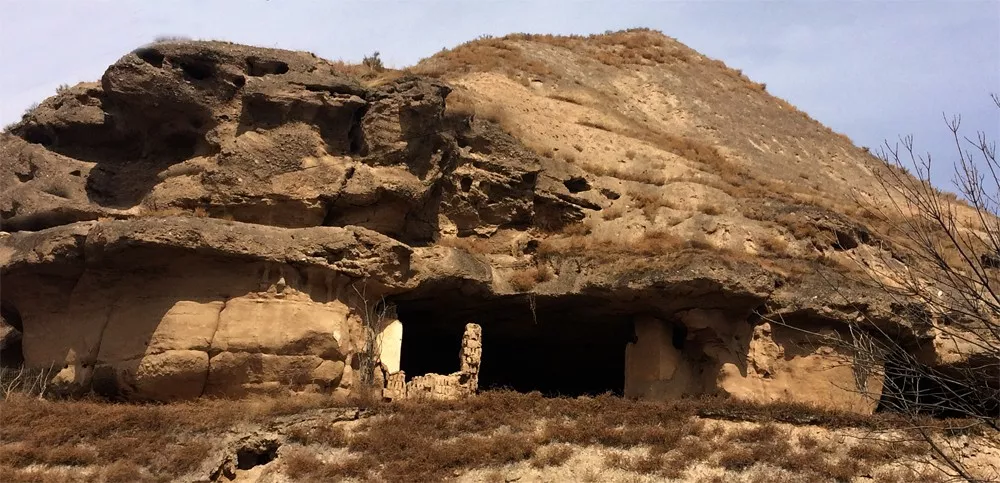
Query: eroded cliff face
point(217, 219)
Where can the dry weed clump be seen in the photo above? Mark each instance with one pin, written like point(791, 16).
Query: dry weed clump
point(710, 209)
point(470, 244)
point(326, 435)
point(615, 211)
point(552, 455)
point(656, 242)
point(526, 279)
point(774, 245)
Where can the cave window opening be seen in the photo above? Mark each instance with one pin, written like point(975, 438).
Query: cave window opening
point(562, 354)
point(261, 67)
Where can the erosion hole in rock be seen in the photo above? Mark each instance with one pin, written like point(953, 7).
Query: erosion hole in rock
point(566, 348)
point(260, 453)
point(845, 241)
point(260, 67)
point(577, 184)
point(150, 56)
point(197, 69)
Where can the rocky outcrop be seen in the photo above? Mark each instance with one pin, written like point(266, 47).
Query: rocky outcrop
point(217, 219)
point(179, 307)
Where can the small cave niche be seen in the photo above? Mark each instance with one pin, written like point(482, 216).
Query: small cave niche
point(356, 134)
point(609, 194)
point(150, 56)
point(465, 183)
point(577, 184)
point(258, 67)
point(196, 69)
point(38, 135)
point(845, 241)
point(561, 348)
point(258, 454)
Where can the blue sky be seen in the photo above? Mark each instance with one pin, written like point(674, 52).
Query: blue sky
point(870, 69)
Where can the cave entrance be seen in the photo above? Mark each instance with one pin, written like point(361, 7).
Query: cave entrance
point(564, 348)
point(11, 355)
point(958, 392)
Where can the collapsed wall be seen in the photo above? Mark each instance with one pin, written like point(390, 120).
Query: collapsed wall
point(214, 219)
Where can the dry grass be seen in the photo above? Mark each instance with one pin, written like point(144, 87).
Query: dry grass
point(710, 209)
point(774, 245)
point(526, 279)
point(633, 47)
point(326, 435)
point(553, 455)
point(470, 244)
point(166, 440)
point(430, 440)
point(484, 54)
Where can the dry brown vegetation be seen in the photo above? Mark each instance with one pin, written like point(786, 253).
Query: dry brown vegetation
point(526, 279)
point(774, 244)
point(470, 244)
point(428, 441)
point(130, 442)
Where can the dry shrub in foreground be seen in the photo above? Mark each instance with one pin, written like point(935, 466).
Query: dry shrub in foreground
point(166, 440)
point(427, 440)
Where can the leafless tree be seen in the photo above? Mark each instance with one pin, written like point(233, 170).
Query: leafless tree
point(24, 381)
point(939, 265)
point(374, 315)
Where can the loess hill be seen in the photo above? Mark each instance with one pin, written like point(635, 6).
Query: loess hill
point(618, 213)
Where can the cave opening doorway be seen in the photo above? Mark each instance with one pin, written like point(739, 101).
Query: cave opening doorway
point(965, 391)
point(11, 354)
point(559, 347)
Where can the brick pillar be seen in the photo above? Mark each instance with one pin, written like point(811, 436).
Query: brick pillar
point(472, 354)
